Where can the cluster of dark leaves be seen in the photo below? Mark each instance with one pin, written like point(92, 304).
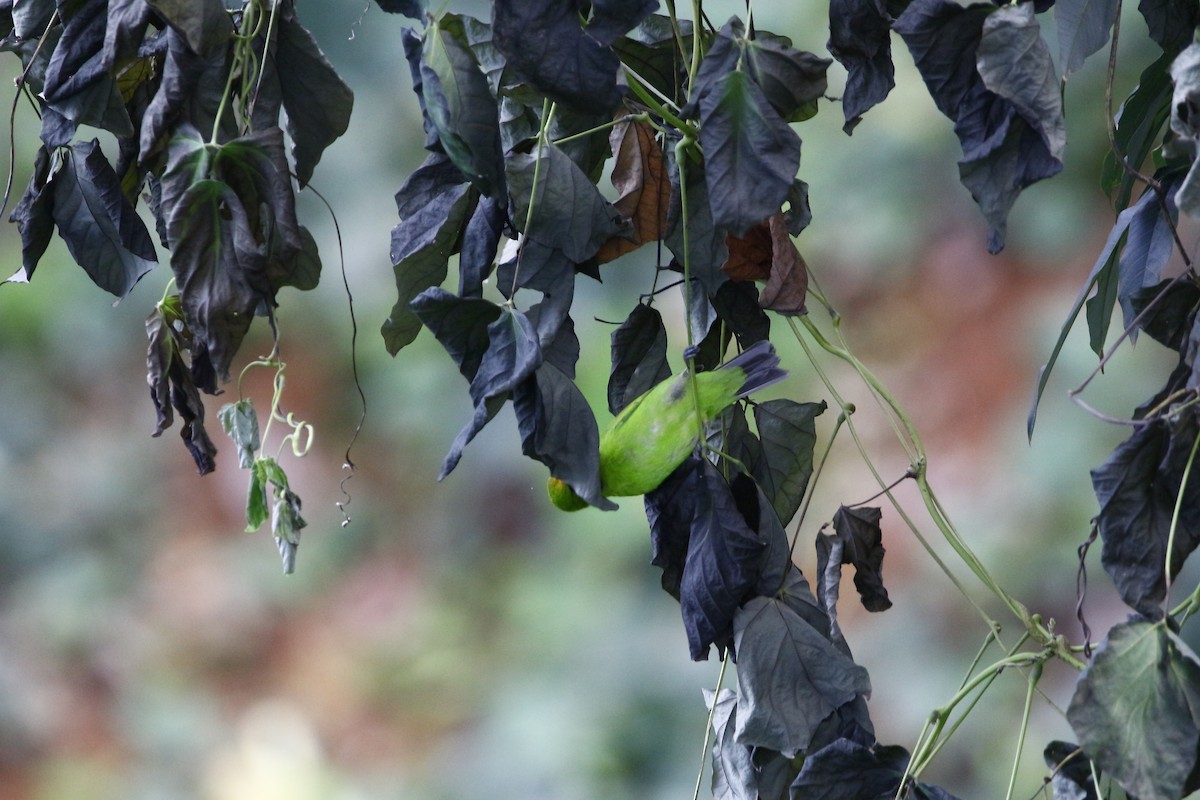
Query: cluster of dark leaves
point(987, 68)
point(799, 715)
point(1134, 709)
point(154, 74)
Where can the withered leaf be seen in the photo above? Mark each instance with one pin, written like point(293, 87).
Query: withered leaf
point(788, 284)
point(750, 256)
point(644, 190)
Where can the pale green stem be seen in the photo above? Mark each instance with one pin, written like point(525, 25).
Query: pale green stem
point(709, 726)
point(1034, 676)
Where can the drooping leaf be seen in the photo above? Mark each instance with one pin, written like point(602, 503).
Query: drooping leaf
point(171, 385)
point(723, 560)
point(643, 189)
point(856, 540)
point(792, 80)
point(240, 423)
point(184, 93)
point(1083, 28)
point(1139, 124)
point(736, 304)
point(788, 432)
point(544, 44)
point(990, 71)
point(31, 17)
point(790, 677)
point(670, 510)
point(461, 106)
point(1168, 323)
point(77, 61)
point(1148, 247)
point(558, 429)
point(651, 51)
point(256, 168)
point(860, 39)
point(614, 18)
point(556, 329)
point(734, 776)
point(752, 155)
point(787, 286)
point(1137, 489)
point(34, 215)
point(101, 229)
point(798, 214)
point(434, 205)
point(204, 24)
point(639, 357)
point(125, 29)
point(845, 770)
point(481, 238)
point(219, 269)
point(1136, 710)
point(1171, 22)
point(305, 74)
point(1070, 771)
point(512, 355)
point(569, 213)
point(459, 323)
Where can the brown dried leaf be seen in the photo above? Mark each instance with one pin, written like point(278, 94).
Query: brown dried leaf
point(750, 255)
point(788, 285)
point(640, 178)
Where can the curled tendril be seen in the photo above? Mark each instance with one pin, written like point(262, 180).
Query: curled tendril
point(301, 437)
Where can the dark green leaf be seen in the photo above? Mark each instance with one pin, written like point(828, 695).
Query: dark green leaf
point(790, 677)
point(301, 269)
point(255, 167)
point(512, 355)
point(240, 423)
point(639, 357)
point(258, 508)
point(860, 39)
point(1135, 709)
point(461, 106)
point(788, 432)
point(650, 50)
point(286, 524)
point(556, 329)
point(1083, 28)
point(414, 9)
point(846, 770)
point(752, 155)
point(34, 215)
point(1139, 123)
point(433, 211)
point(569, 213)
point(101, 229)
point(304, 76)
point(125, 29)
point(220, 272)
point(1137, 489)
point(205, 24)
point(543, 42)
point(799, 214)
point(559, 430)
point(1071, 772)
point(1105, 266)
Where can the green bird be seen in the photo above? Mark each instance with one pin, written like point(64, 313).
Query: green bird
point(656, 432)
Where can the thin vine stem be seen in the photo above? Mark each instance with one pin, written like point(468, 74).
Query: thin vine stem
point(1187, 472)
point(709, 726)
point(547, 115)
point(12, 114)
point(1034, 676)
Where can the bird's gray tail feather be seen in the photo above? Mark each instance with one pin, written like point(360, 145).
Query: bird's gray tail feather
point(760, 362)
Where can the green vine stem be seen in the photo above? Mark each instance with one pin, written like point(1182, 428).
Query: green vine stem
point(548, 109)
point(1187, 472)
point(1035, 675)
point(712, 712)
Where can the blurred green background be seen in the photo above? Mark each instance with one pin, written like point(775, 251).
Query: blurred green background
point(462, 639)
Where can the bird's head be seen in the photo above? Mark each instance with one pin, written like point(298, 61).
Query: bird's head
point(563, 496)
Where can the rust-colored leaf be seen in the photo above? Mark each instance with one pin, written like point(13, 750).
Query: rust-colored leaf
point(644, 192)
point(788, 284)
point(750, 255)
